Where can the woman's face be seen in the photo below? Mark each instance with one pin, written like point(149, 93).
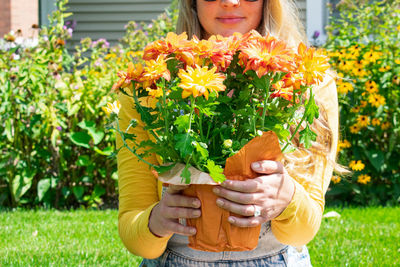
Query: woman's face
point(225, 17)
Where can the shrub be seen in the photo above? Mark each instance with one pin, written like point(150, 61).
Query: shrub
point(54, 151)
point(364, 46)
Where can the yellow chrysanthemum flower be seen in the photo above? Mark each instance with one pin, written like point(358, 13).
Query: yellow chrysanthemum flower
point(376, 121)
point(356, 165)
point(363, 121)
point(155, 92)
point(363, 179)
point(376, 100)
point(336, 179)
point(345, 87)
point(200, 81)
point(112, 108)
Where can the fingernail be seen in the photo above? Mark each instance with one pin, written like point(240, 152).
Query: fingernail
point(256, 166)
point(220, 202)
point(216, 190)
point(192, 231)
point(196, 213)
point(196, 203)
point(231, 220)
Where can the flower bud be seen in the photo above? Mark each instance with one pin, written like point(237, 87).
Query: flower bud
point(228, 143)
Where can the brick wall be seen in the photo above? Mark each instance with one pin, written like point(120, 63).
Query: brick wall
point(23, 15)
point(5, 17)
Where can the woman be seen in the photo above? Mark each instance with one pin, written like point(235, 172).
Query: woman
point(287, 199)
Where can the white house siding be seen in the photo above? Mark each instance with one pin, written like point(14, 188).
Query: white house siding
point(106, 19)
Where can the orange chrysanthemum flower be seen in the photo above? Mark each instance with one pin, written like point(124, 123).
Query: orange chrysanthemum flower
point(155, 69)
point(200, 81)
point(266, 54)
point(312, 63)
point(170, 44)
point(134, 72)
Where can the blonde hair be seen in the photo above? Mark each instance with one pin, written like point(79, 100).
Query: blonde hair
point(280, 19)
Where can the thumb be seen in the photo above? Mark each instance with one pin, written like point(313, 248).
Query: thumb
point(267, 167)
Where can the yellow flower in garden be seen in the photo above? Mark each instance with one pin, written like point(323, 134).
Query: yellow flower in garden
point(385, 125)
point(385, 68)
point(336, 179)
point(363, 121)
point(200, 81)
point(360, 72)
point(155, 69)
point(339, 77)
point(112, 108)
point(371, 87)
point(363, 179)
point(155, 92)
point(396, 79)
point(354, 128)
point(356, 165)
point(343, 144)
point(344, 88)
point(376, 121)
point(397, 61)
point(372, 56)
point(355, 109)
point(345, 65)
point(376, 100)
point(363, 104)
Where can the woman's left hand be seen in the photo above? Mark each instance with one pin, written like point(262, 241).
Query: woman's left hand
point(269, 194)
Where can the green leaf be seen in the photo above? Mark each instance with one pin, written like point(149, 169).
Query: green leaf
point(42, 187)
point(184, 144)
point(162, 169)
point(90, 126)
point(307, 136)
point(98, 191)
point(216, 171)
point(105, 152)
point(80, 139)
point(21, 184)
point(186, 174)
point(202, 149)
point(182, 122)
point(376, 158)
point(83, 160)
point(78, 192)
point(8, 130)
point(312, 110)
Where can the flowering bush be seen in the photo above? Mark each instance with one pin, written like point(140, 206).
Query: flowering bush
point(52, 143)
point(364, 46)
point(213, 96)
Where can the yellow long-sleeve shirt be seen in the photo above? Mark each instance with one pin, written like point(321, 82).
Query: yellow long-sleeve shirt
point(139, 191)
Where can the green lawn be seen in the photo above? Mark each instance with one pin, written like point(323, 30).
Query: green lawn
point(360, 237)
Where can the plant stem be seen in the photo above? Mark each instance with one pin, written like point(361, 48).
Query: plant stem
point(266, 96)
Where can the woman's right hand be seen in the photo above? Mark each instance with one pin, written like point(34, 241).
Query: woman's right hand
point(164, 218)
